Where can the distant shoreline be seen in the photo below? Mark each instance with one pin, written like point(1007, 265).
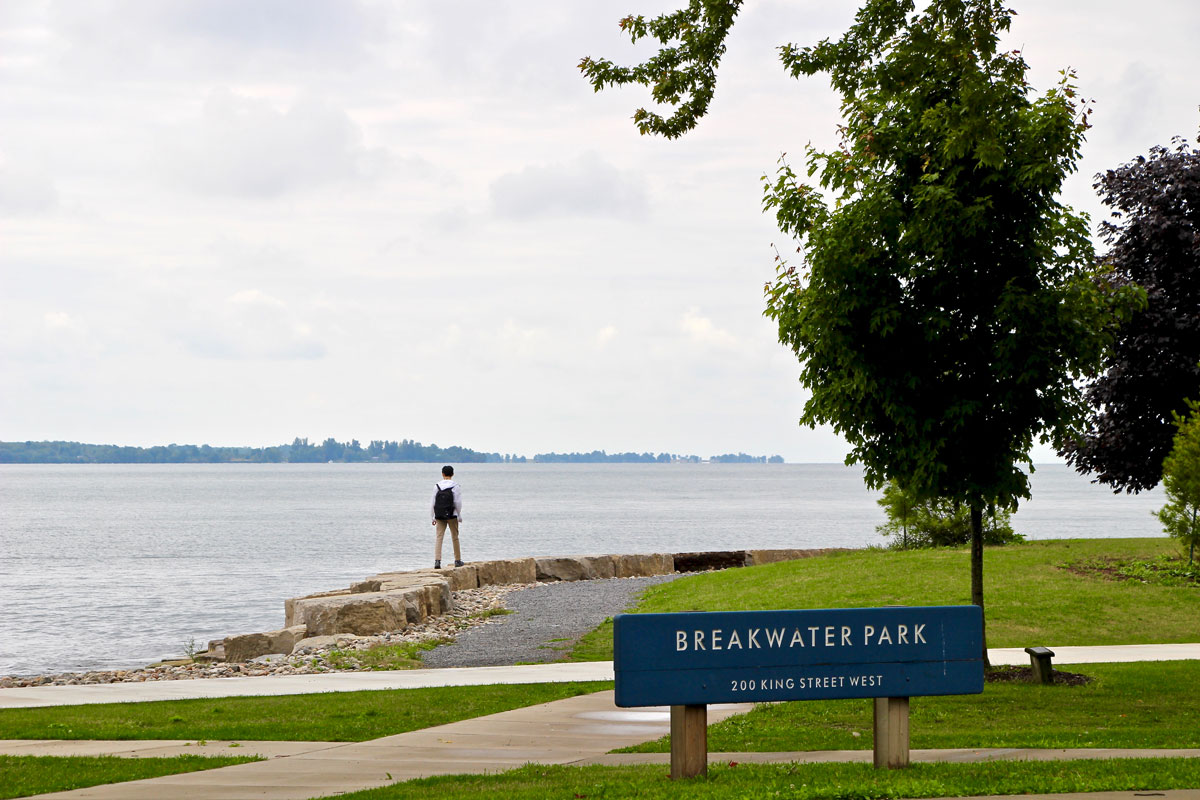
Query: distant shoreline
point(300, 451)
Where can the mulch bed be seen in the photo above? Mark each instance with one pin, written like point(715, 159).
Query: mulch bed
point(1025, 675)
point(1163, 572)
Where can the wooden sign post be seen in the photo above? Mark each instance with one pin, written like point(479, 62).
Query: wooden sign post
point(690, 660)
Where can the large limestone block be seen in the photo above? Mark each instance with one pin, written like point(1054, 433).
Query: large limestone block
point(428, 589)
point(506, 571)
point(246, 646)
point(371, 584)
point(390, 581)
point(460, 578)
point(305, 646)
point(432, 599)
point(289, 605)
point(644, 564)
point(562, 568)
point(252, 645)
point(772, 556)
point(600, 566)
point(578, 568)
point(362, 613)
point(586, 568)
point(402, 599)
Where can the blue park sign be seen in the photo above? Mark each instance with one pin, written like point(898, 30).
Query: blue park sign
point(765, 656)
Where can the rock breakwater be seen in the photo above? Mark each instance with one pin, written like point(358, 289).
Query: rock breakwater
point(400, 607)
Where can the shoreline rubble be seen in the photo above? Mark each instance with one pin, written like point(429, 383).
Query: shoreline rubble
point(397, 608)
point(470, 607)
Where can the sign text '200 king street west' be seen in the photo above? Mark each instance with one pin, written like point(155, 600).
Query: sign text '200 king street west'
point(700, 658)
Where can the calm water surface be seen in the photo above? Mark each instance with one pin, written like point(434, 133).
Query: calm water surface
point(114, 566)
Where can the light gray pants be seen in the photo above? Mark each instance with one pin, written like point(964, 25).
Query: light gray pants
point(440, 527)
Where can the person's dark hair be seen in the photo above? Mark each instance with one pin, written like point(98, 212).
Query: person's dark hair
point(447, 471)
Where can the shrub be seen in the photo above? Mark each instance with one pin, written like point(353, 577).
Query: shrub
point(1181, 482)
point(938, 522)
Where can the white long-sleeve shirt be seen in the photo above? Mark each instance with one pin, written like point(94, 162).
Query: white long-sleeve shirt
point(447, 484)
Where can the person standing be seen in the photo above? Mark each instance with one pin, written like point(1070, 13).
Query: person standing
point(446, 510)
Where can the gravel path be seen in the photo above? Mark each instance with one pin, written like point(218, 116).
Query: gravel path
point(546, 621)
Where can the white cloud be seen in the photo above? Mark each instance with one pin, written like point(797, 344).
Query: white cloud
point(247, 297)
point(587, 186)
point(572, 292)
point(58, 319)
point(604, 336)
point(305, 26)
point(702, 331)
point(25, 192)
point(244, 146)
point(521, 341)
point(217, 37)
point(251, 324)
point(48, 341)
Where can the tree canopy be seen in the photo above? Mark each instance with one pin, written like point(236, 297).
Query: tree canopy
point(683, 73)
point(940, 314)
point(1153, 368)
point(943, 314)
point(944, 310)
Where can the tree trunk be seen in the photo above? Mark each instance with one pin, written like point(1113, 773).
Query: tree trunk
point(977, 567)
point(1192, 539)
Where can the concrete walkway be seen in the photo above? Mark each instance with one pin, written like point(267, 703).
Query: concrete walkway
point(472, 676)
point(578, 730)
point(270, 685)
point(156, 748)
point(168, 748)
point(567, 731)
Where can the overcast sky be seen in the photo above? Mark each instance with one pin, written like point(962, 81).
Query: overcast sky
point(241, 221)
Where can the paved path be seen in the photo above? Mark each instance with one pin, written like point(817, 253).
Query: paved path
point(303, 684)
point(472, 676)
point(156, 748)
point(167, 748)
point(578, 730)
point(562, 732)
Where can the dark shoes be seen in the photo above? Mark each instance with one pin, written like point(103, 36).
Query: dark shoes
point(437, 565)
point(458, 563)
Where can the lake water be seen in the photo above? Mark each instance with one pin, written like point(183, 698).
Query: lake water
point(115, 566)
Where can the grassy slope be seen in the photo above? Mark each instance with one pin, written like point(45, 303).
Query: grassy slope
point(1153, 704)
point(332, 716)
point(803, 782)
point(22, 776)
point(1029, 598)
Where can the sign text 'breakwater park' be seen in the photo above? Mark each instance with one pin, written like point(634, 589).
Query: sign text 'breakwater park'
point(764, 656)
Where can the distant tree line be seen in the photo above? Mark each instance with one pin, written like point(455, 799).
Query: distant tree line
point(78, 453)
point(742, 458)
point(299, 451)
point(602, 457)
point(302, 451)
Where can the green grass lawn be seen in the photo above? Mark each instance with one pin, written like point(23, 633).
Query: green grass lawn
point(22, 776)
point(804, 781)
point(1029, 598)
point(327, 717)
point(1148, 704)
